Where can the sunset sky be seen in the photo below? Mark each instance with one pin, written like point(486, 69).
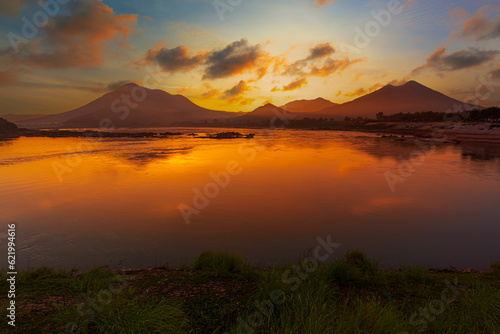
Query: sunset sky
point(237, 57)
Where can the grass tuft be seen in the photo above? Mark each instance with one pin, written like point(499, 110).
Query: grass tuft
point(355, 269)
point(416, 274)
point(495, 265)
point(224, 264)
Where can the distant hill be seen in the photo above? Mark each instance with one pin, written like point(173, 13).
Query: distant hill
point(7, 126)
point(409, 98)
point(308, 106)
point(16, 118)
point(266, 113)
point(158, 108)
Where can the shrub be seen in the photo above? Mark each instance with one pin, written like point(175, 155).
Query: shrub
point(355, 268)
point(416, 274)
point(495, 266)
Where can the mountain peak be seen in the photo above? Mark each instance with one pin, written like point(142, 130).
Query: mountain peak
point(308, 106)
point(413, 83)
point(129, 85)
point(409, 98)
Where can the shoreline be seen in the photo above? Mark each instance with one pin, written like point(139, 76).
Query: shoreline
point(447, 132)
point(220, 292)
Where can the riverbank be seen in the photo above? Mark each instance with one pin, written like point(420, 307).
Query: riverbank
point(449, 132)
point(222, 293)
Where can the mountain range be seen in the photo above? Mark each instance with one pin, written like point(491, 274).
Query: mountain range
point(135, 106)
point(130, 106)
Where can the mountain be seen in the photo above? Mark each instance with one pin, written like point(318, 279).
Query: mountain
point(266, 113)
point(17, 118)
point(130, 106)
point(7, 126)
point(408, 98)
point(308, 106)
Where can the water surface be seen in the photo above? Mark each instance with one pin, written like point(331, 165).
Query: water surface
point(79, 203)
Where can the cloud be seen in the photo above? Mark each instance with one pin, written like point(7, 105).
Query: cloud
point(292, 85)
point(311, 65)
point(478, 27)
point(117, 84)
point(468, 58)
point(12, 7)
point(236, 92)
point(210, 93)
point(236, 58)
point(320, 51)
point(173, 60)
point(363, 91)
point(182, 90)
point(295, 84)
point(74, 40)
point(495, 74)
point(331, 66)
point(319, 3)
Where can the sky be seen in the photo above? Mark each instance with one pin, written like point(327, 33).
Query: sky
point(236, 55)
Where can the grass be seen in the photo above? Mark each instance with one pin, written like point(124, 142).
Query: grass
point(355, 269)
point(221, 292)
point(495, 266)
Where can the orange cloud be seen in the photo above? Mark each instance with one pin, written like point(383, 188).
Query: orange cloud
point(236, 93)
point(363, 91)
point(210, 93)
point(331, 66)
point(311, 65)
point(295, 84)
point(75, 40)
point(319, 3)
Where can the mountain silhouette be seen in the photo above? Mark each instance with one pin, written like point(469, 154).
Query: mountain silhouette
point(308, 106)
point(130, 106)
point(409, 98)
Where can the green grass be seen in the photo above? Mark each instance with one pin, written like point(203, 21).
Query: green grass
point(127, 314)
point(495, 266)
point(222, 293)
point(355, 269)
point(224, 264)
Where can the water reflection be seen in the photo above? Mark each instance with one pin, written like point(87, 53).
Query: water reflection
point(483, 152)
point(145, 158)
point(118, 204)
